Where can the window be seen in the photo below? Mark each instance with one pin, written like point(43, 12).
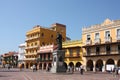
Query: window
point(70, 52)
point(41, 57)
point(35, 43)
point(119, 49)
point(108, 49)
point(78, 51)
point(97, 50)
point(48, 56)
point(32, 44)
point(44, 56)
point(118, 32)
point(88, 51)
point(107, 34)
point(88, 37)
point(96, 35)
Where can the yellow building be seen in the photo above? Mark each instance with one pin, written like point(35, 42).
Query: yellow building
point(73, 53)
point(101, 44)
point(41, 36)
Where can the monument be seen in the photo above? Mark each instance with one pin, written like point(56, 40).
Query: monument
point(58, 57)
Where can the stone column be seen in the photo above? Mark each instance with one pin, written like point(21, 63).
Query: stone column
point(94, 67)
point(115, 63)
point(38, 66)
point(46, 66)
point(29, 67)
point(24, 65)
point(42, 66)
point(104, 67)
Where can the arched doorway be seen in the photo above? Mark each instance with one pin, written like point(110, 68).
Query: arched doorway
point(110, 65)
point(71, 64)
point(89, 65)
point(49, 64)
point(99, 65)
point(78, 64)
point(65, 64)
point(44, 66)
point(27, 65)
point(118, 63)
point(40, 66)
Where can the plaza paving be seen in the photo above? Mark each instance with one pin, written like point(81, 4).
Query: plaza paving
point(16, 74)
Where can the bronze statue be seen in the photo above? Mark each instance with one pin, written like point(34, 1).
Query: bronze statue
point(59, 41)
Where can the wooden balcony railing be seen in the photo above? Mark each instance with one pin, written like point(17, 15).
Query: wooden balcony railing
point(72, 55)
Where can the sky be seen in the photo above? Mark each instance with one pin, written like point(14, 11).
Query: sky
point(19, 16)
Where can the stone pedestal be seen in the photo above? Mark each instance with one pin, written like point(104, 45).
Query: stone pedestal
point(58, 61)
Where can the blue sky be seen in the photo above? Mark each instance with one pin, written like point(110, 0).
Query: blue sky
point(19, 16)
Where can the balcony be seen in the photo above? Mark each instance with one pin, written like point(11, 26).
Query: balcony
point(44, 60)
point(88, 42)
point(97, 41)
point(72, 55)
point(30, 38)
point(32, 47)
point(108, 39)
point(28, 54)
point(118, 37)
point(30, 59)
point(86, 54)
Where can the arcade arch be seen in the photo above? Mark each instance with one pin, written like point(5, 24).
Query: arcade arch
point(89, 65)
point(99, 65)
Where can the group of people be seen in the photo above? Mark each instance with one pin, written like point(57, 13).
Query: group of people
point(71, 69)
point(115, 71)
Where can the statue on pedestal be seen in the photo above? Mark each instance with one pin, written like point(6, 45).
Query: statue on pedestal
point(59, 41)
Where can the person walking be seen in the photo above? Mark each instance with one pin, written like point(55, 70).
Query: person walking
point(72, 69)
point(68, 68)
point(81, 70)
point(34, 68)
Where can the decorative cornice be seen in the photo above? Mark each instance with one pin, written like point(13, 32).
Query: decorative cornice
point(107, 24)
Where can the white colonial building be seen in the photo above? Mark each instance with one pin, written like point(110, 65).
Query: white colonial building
point(21, 53)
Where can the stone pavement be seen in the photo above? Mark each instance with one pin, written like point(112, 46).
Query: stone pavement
point(16, 74)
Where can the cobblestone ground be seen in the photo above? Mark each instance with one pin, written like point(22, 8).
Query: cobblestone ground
point(15, 74)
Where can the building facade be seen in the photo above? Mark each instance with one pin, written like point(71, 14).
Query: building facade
point(45, 56)
point(21, 53)
point(101, 45)
point(10, 58)
point(73, 54)
point(41, 36)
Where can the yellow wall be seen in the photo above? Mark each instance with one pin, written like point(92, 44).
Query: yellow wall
point(39, 35)
point(73, 45)
point(101, 30)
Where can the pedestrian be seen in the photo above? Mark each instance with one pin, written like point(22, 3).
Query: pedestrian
point(68, 68)
point(20, 66)
point(34, 68)
point(8, 66)
point(47, 68)
point(81, 70)
point(72, 69)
